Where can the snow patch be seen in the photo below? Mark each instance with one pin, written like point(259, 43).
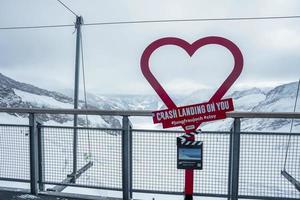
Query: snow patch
point(41, 101)
point(27, 196)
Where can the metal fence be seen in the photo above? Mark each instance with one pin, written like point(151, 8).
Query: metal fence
point(236, 164)
point(262, 158)
point(155, 169)
point(14, 153)
point(100, 146)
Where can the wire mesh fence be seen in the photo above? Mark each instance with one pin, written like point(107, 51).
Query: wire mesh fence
point(155, 163)
point(213, 179)
point(14, 152)
point(262, 157)
point(154, 160)
point(100, 146)
point(293, 158)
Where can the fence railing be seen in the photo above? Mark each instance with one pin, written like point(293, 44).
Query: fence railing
point(236, 164)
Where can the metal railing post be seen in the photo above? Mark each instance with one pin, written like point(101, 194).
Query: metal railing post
point(130, 159)
point(230, 164)
point(41, 156)
point(34, 173)
point(126, 159)
point(235, 159)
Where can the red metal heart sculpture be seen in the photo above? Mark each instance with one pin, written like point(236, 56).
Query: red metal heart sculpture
point(191, 49)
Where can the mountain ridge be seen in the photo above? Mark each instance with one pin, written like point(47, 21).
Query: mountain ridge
point(22, 95)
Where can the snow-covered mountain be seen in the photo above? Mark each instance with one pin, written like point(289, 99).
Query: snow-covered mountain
point(278, 99)
point(21, 95)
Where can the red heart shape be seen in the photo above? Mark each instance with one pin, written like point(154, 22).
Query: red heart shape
point(191, 49)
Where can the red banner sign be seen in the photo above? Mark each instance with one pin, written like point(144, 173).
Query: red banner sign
point(187, 116)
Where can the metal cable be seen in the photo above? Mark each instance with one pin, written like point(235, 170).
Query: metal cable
point(36, 27)
point(291, 128)
point(156, 21)
point(69, 9)
point(193, 20)
point(85, 96)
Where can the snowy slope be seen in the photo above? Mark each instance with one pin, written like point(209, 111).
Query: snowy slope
point(21, 95)
point(278, 99)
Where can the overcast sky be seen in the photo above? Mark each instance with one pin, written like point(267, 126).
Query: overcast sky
point(45, 57)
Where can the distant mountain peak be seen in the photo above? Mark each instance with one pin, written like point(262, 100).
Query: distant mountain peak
point(240, 93)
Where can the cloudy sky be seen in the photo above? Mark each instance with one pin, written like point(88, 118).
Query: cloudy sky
point(45, 57)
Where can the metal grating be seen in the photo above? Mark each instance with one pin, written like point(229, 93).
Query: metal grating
point(14, 152)
point(154, 165)
point(100, 146)
point(213, 179)
point(155, 158)
point(261, 161)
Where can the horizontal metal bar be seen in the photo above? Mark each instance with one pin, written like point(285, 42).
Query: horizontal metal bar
point(282, 115)
point(178, 193)
point(82, 186)
point(211, 195)
point(265, 198)
point(14, 180)
point(75, 196)
point(176, 131)
point(157, 192)
point(15, 125)
point(77, 111)
point(145, 113)
point(270, 133)
point(10, 189)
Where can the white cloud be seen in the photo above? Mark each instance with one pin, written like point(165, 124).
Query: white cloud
point(112, 53)
point(282, 39)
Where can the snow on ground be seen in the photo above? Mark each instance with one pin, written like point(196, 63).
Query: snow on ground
point(141, 196)
point(12, 119)
point(143, 123)
point(246, 103)
point(17, 185)
point(41, 101)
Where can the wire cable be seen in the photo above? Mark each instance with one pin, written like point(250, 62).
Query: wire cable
point(291, 128)
point(193, 20)
point(157, 21)
point(37, 27)
point(85, 95)
point(69, 9)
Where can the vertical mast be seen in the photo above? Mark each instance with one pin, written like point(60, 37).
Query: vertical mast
point(76, 90)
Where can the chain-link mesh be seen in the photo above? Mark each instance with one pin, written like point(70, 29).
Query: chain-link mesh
point(262, 158)
point(99, 146)
point(155, 163)
point(293, 157)
point(14, 152)
point(213, 179)
point(58, 153)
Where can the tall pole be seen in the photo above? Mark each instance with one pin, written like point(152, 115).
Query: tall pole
point(76, 92)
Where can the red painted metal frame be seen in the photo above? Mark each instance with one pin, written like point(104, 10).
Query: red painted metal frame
point(191, 49)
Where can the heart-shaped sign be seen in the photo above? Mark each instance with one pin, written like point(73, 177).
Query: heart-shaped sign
point(191, 49)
